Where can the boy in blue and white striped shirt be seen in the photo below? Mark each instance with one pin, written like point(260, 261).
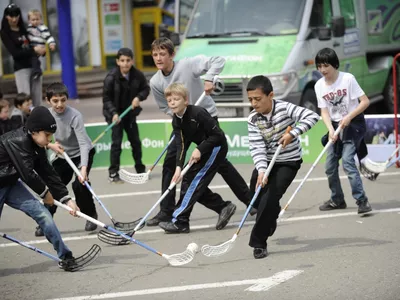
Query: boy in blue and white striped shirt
point(38, 35)
point(267, 124)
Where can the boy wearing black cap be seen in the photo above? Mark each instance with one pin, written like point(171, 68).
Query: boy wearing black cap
point(124, 86)
point(23, 158)
point(72, 138)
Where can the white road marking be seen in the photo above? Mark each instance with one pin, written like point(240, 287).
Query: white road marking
point(223, 186)
point(207, 226)
point(257, 285)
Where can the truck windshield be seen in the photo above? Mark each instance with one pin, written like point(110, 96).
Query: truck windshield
point(218, 18)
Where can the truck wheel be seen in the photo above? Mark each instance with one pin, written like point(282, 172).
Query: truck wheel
point(309, 100)
point(388, 94)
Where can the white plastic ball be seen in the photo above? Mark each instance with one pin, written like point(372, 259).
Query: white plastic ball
point(193, 247)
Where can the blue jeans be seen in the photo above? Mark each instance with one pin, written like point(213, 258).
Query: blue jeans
point(349, 166)
point(18, 197)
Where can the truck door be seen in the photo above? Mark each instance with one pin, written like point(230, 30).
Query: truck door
point(350, 48)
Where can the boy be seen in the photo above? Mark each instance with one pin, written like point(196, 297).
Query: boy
point(188, 72)
point(21, 110)
point(38, 35)
point(194, 124)
point(342, 103)
point(22, 157)
point(5, 122)
point(124, 86)
point(267, 124)
point(72, 138)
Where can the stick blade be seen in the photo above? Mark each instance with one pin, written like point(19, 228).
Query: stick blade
point(376, 167)
point(180, 259)
point(113, 239)
point(128, 227)
point(76, 264)
point(217, 250)
point(134, 178)
point(367, 173)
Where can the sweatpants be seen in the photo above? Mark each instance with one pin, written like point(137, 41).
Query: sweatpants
point(225, 169)
point(128, 123)
point(194, 187)
point(26, 84)
point(281, 176)
point(83, 197)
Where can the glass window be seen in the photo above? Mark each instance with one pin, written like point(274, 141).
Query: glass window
point(255, 17)
point(347, 10)
point(321, 14)
point(80, 33)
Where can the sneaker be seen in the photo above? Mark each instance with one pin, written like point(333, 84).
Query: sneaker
point(363, 207)
point(140, 169)
point(91, 226)
point(225, 215)
point(160, 217)
point(260, 253)
point(114, 178)
point(330, 205)
point(39, 231)
point(176, 227)
point(67, 264)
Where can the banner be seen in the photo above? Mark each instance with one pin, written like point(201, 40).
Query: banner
point(155, 136)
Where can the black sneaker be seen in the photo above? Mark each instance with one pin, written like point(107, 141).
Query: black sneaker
point(176, 227)
point(363, 207)
point(91, 226)
point(260, 253)
point(253, 211)
point(39, 231)
point(114, 178)
point(330, 205)
point(225, 215)
point(67, 264)
point(140, 169)
point(160, 217)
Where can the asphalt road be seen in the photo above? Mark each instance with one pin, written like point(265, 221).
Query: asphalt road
point(312, 255)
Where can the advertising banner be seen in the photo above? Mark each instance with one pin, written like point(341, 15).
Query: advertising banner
point(155, 136)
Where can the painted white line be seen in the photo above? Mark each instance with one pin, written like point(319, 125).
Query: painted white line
point(207, 226)
point(223, 186)
point(257, 285)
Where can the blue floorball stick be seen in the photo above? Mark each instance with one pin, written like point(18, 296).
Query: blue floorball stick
point(23, 244)
point(71, 265)
point(124, 226)
point(173, 259)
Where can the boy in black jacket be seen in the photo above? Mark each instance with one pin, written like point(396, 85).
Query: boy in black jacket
point(195, 124)
point(23, 158)
point(124, 86)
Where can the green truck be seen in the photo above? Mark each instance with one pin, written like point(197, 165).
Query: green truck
point(280, 38)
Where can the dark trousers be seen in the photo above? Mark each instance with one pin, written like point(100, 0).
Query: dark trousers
point(225, 168)
point(281, 176)
point(36, 66)
point(128, 123)
point(195, 183)
point(83, 197)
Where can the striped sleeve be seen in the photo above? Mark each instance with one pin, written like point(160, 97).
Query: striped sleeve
point(45, 33)
point(304, 118)
point(257, 147)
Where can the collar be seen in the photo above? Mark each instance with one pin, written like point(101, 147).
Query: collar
point(272, 112)
point(181, 117)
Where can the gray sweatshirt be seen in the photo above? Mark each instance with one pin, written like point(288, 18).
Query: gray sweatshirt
point(71, 134)
point(188, 71)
